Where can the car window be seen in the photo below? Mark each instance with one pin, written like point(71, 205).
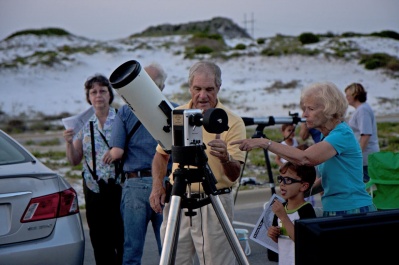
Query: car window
point(10, 152)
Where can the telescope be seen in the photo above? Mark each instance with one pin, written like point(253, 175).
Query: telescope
point(167, 125)
point(145, 99)
point(269, 121)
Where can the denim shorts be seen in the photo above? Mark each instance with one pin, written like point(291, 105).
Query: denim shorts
point(364, 209)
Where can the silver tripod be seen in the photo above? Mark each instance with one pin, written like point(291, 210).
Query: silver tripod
point(183, 177)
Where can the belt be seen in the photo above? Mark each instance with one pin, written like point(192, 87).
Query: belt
point(202, 195)
point(195, 195)
point(138, 174)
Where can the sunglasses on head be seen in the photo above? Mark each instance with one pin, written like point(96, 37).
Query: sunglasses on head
point(287, 180)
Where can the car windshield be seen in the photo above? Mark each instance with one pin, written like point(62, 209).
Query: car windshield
point(10, 152)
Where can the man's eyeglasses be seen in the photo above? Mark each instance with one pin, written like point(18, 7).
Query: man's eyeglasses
point(287, 180)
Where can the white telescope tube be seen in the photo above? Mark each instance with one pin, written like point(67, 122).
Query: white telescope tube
point(145, 99)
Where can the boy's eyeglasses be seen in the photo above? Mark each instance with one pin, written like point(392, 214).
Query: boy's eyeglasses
point(287, 180)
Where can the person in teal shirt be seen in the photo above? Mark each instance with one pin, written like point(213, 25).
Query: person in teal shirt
point(338, 155)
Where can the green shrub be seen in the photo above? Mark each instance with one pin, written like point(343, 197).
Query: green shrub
point(308, 38)
point(393, 65)
point(261, 41)
point(204, 35)
point(350, 34)
point(379, 60)
point(203, 50)
point(15, 126)
point(373, 63)
point(329, 34)
point(41, 32)
point(240, 46)
point(387, 34)
point(270, 52)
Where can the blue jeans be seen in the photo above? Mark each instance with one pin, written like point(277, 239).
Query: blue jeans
point(137, 213)
point(364, 209)
point(366, 177)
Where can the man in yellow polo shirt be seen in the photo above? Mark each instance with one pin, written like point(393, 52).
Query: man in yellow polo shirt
point(204, 236)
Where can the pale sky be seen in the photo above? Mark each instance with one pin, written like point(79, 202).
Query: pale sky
point(112, 19)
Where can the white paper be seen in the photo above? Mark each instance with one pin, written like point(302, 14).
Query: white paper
point(78, 121)
point(259, 234)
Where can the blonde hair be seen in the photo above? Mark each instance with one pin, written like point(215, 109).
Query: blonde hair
point(328, 95)
point(358, 92)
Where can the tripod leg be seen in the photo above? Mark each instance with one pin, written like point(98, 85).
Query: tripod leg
point(239, 179)
point(228, 229)
point(172, 232)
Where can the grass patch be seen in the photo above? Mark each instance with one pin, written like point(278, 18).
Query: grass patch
point(388, 136)
point(51, 155)
point(52, 142)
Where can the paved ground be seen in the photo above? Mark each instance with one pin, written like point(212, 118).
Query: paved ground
point(248, 208)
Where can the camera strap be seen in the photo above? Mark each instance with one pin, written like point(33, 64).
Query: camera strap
point(129, 136)
point(93, 153)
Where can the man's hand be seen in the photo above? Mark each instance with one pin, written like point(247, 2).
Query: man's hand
point(158, 193)
point(107, 158)
point(157, 197)
point(231, 167)
point(219, 149)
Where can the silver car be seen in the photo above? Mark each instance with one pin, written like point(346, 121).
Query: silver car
point(39, 214)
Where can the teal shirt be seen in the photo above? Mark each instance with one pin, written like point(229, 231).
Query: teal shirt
point(342, 175)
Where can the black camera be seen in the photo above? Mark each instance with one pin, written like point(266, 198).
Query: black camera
point(187, 133)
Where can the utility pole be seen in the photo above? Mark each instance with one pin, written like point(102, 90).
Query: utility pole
point(251, 21)
point(245, 22)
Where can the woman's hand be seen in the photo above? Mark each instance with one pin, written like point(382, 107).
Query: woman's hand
point(249, 144)
point(68, 136)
